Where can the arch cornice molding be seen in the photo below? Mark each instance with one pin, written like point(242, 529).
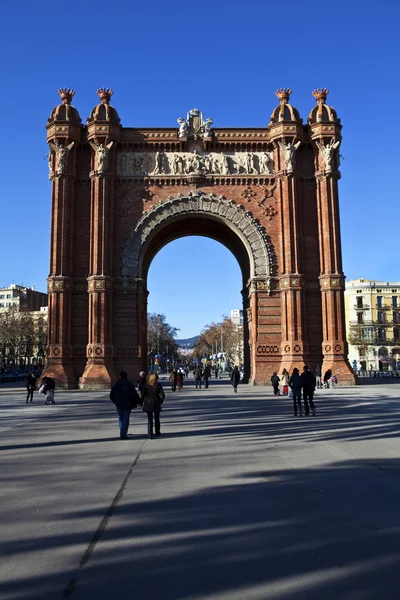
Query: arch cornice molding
point(249, 230)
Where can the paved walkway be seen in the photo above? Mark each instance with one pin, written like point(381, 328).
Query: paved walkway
point(238, 500)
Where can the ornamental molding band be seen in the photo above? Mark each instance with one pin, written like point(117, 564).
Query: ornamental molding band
point(142, 164)
point(259, 248)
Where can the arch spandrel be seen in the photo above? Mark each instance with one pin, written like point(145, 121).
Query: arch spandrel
point(233, 216)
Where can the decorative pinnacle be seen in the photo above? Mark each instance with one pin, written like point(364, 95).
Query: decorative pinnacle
point(321, 94)
point(283, 95)
point(105, 95)
point(66, 95)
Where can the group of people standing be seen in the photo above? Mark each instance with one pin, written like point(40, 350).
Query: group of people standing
point(47, 387)
point(125, 397)
point(176, 379)
point(203, 375)
point(306, 383)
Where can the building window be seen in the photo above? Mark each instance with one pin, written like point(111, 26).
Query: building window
point(379, 301)
point(396, 317)
point(396, 333)
point(394, 301)
point(381, 317)
point(1, 296)
point(1, 304)
point(381, 335)
point(9, 296)
point(360, 318)
point(359, 302)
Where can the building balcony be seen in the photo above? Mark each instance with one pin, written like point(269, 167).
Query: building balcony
point(383, 307)
point(361, 307)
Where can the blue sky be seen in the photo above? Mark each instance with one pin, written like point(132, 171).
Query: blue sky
point(228, 59)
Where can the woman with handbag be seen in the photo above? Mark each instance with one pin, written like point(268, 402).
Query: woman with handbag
point(153, 396)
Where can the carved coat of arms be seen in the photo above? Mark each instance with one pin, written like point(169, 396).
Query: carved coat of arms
point(195, 125)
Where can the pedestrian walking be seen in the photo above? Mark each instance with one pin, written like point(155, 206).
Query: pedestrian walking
point(317, 373)
point(179, 380)
point(295, 386)
point(31, 386)
point(206, 375)
point(285, 382)
point(216, 372)
point(173, 378)
point(153, 397)
point(275, 383)
point(308, 385)
point(198, 374)
point(235, 378)
point(125, 398)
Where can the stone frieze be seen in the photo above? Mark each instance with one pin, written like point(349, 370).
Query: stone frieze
point(140, 164)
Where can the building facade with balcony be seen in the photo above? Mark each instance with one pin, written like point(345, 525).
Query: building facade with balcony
point(372, 310)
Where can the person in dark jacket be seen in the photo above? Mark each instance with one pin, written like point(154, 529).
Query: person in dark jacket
point(125, 397)
point(327, 376)
point(153, 397)
point(295, 386)
point(31, 386)
point(308, 382)
point(179, 379)
point(235, 378)
point(141, 382)
point(275, 383)
point(198, 374)
point(206, 375)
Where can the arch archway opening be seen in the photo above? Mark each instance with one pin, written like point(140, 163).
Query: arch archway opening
point(216, 275)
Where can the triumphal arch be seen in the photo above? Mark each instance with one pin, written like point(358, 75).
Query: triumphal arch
point(119, 194)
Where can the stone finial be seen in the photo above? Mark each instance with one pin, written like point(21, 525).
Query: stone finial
point(283, 95)
point(105, 95)
point(321, 94)
point(66, 95)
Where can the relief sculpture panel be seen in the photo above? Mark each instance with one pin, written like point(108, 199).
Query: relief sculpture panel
point(139, 164)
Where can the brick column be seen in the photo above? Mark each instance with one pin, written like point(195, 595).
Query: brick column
point(334, 345)
point(264, 321)
point(100, 371)
point(294, 347)
point(60, 283)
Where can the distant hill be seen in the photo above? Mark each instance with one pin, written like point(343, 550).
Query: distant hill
point(188, 342)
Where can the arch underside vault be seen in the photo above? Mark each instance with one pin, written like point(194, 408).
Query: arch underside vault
point(197, 213)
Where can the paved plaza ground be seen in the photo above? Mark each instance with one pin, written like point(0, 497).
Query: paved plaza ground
point(238, 500)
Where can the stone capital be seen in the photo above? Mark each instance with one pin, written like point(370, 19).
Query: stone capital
point(331, 282)
point(58, 283)
point(291, 281)
point(100, 283)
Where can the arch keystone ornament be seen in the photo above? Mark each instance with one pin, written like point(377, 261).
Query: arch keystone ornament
point(120, 194)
